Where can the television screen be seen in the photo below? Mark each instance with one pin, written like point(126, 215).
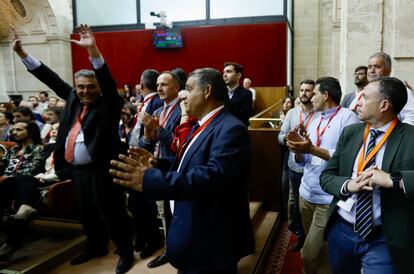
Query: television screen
point(167, 38)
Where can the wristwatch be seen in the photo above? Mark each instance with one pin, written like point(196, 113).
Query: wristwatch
point(396, 178)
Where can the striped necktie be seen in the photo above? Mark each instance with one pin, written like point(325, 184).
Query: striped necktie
point(364, 213)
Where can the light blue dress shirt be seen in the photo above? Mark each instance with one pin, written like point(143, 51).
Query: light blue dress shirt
point(310, 188)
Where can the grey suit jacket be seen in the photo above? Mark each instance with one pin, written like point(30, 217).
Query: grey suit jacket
point(348, 99)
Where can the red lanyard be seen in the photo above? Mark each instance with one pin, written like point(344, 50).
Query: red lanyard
point(145, 100)
point(308, 121)
point(363, 162)
point(196, 132)
point(356, 104)
point(320, 134)
point(164, 121)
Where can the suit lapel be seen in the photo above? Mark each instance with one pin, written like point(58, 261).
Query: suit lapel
point(392, 146)
point(354, 146)
point(200, 139)
point(235, 96)
point(172, 119)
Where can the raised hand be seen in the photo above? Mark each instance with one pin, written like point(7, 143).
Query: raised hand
point(87, 40)
point(16, 42)
point(128, 172)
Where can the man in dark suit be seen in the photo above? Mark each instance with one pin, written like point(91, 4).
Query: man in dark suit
point(87, 140)
point(211, 228)
point(350, 100)
point(371, 176)
point(241, 102)
point(144, 211)
point(159, 133)
point(151, 102)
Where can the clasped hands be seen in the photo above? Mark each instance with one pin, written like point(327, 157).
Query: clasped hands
point(129, 170)
point(368, 179)
point(298, 140)
point(151, 124)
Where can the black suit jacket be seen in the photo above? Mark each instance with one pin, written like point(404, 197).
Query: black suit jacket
point(241, 104)
point(100, 125)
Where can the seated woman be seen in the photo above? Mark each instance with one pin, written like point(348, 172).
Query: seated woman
point(22, 161)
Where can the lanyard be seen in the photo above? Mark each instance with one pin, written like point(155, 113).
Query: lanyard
point(146, 100)
point(319, 134)
point(164, 121)
point(195, 133)
point(356, 103)
point(308, 121)
point(363, 162)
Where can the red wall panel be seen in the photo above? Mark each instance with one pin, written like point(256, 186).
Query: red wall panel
point(259, 48)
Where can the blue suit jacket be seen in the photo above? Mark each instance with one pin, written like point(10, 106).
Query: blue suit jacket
point(166, 134)
point(154, 104)
point(211, 227)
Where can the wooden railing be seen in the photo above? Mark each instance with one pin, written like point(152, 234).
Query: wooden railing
point(266, 169)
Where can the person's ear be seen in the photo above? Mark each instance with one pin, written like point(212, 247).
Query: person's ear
point(208, 92)
point(384, 106)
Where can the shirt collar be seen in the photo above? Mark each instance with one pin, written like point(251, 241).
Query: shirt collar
point(231, 90)
point(329, 112)
point(149, 95)
point(384, 128)
point(211, 113)
point(175, 100)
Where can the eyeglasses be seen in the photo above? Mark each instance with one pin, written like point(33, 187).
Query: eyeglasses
point(13, 165)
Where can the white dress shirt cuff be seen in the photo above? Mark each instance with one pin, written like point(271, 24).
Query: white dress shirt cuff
point(343, 190)
point(97, 63)
point(31, 63)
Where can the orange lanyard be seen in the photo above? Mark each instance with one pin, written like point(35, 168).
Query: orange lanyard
point(196, 132)
point(320, 134)
point(363, 162)
point(163, 122)
point(308, 121)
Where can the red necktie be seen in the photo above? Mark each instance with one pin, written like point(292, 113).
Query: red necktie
point(73, 133)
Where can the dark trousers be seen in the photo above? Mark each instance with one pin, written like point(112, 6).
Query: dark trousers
point(102, 208)
point(231, 270)
point(21, 190)
point(348, 253)
point(285, 182)
point(295, 220)
point(144, 213)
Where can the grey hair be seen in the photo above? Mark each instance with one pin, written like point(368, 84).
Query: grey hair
point(385, 57)
point(85, 73)
point(210, 76)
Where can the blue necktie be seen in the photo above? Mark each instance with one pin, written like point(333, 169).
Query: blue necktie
point(364, 213)
point(193, 129)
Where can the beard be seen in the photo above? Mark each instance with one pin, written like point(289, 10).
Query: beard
point(305, 100)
